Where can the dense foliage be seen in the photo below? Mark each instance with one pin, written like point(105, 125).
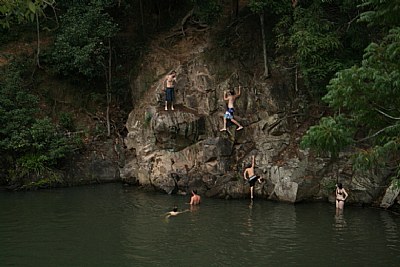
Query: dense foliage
point(81, 45)
point(20, 11)
point(29, 144)
point(365, 98)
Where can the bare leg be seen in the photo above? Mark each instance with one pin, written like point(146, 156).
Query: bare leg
point(166, 105)
point(240, 127)
point(172, 105)
point(251, 192)
point(224, 129)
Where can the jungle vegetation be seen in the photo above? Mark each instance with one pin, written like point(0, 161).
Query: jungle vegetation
point(347, 52)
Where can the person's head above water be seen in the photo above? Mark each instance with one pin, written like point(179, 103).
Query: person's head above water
point(175, 209)
point(339, 185)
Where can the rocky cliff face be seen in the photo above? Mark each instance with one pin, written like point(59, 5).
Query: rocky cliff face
point(176, 151)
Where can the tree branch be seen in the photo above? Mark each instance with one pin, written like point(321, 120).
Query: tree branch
point(352, 20)
point(378, 132)
point(38, 40)
point(387, 115)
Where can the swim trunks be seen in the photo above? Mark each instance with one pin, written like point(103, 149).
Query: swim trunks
point(252, 180)
point(169, 94)
point(229, 114)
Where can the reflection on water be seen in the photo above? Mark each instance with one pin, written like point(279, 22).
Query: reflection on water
point(114, 226)
point(340, 222)
point(392, 231)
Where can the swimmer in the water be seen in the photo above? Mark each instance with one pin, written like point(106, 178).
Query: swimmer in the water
point(174, 212)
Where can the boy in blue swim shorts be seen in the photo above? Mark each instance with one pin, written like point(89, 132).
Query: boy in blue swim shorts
point(170, 81)
point(231, 97)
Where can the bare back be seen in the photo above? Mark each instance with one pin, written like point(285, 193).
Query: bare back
point(195, 200)
point(231, 100)
point(249, 172)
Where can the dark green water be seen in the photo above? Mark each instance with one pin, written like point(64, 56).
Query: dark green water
point(108, 225)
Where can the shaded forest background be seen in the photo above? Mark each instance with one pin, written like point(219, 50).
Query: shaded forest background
point(66, 70)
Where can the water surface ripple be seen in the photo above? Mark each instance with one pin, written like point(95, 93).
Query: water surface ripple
point(109, 225)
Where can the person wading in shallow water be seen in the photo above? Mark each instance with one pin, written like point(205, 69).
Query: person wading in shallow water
point(231, 97)
point(250, 176)
point(170, 82)
point(195, 199)
point(341, 196)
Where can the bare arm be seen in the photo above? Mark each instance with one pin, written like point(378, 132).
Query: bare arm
point(238, 94)
point(253, 161)
point(165, 83)
point(244, 174)
point(225, 96)
point(345, 194)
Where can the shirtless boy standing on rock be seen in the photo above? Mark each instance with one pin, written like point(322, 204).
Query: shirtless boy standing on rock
point(170, 81)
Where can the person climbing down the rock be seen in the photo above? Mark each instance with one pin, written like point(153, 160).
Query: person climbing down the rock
point(170, 82)
point(250, 176)
point(231, 97)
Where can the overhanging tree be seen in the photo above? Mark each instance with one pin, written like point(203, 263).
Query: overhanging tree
point(22, 11)
point(366, 100)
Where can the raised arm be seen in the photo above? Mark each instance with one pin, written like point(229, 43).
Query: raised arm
point(253, 161)
point(238, 94)
point(225, 96)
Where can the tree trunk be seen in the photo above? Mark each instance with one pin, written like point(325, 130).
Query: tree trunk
point(266, 71)
point(235, 8)
point(142, 16)
point(108, 88)
point(38, 40)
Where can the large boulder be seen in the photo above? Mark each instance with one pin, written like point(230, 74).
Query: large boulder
point(390, 196)
point(175, 130)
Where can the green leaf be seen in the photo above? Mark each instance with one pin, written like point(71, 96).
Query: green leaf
point(31, 6)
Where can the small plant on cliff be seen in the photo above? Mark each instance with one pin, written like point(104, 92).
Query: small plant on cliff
point(67, 122)
point(207, 10)
point(329, 186)
point(147, 118)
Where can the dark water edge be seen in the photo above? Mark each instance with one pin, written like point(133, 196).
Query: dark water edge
point(395, 208)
